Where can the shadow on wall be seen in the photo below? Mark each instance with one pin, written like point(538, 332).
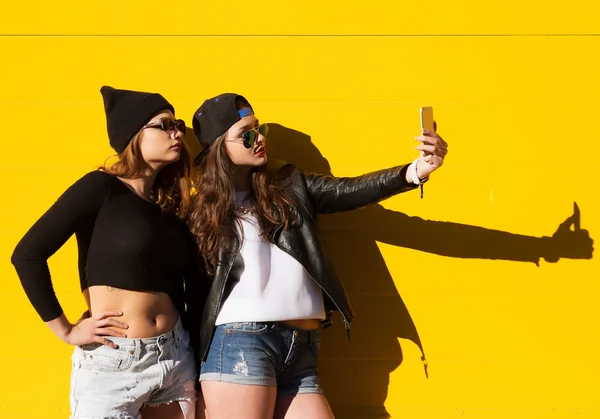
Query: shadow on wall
point(360, 371)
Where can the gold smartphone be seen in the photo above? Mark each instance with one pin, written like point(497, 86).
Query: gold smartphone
point(427, 118)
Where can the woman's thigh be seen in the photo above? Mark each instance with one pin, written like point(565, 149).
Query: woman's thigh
point(300, 406)
point(227, 400)
point(174, 410)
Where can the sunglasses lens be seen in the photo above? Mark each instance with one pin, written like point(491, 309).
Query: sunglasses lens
point(264, 131)
point(166, 124)
point(249, 138)
point(180, 125)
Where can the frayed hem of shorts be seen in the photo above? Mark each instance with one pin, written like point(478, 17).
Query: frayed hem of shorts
point(176, 399)
point(190, 395)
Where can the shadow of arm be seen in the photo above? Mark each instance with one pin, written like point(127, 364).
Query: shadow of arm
point(467, 241)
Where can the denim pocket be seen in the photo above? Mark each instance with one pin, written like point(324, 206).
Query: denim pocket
point(103, 358)
point(252, 328)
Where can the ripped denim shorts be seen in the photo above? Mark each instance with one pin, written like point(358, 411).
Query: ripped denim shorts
point(265, 354)
point(116, 383)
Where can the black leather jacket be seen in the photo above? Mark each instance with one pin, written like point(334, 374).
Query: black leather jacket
point(312, 194)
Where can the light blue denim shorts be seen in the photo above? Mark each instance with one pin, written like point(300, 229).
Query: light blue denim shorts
point(116, 383)
point(266, 354)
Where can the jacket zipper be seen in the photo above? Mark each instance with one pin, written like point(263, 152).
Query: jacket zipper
point(346, 322)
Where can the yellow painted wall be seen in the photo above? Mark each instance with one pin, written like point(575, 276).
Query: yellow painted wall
point(515, 89)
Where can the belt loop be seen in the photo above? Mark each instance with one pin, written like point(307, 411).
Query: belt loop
point(138, 349)
point(327, 321)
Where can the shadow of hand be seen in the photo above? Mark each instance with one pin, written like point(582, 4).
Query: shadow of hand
point(569, 240)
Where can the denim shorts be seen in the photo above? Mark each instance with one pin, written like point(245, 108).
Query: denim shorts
point(116, 383)
point(265, 354)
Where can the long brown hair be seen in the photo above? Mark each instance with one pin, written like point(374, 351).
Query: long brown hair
point(172, 184)
point(212, 217)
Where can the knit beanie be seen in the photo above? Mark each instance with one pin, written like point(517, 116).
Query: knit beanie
point(127, 111)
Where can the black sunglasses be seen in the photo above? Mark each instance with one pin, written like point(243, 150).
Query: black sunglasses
point(250, 136)
point(168, 124)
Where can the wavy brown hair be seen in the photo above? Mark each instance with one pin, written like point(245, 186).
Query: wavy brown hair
point(212, 217)
point(172, 184)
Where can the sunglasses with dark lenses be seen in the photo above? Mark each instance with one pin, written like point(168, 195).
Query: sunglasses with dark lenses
point(168, 124)
point(249, 137)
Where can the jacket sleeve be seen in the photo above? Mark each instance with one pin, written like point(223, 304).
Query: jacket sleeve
point(332, 194)
point(76, 207)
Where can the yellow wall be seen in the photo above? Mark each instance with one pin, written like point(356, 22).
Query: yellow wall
point(515, 90)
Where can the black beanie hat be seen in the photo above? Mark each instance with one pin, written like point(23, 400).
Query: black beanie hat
point(127, 111)
point(216, 116)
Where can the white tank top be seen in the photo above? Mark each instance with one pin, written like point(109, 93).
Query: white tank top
point(272, 286)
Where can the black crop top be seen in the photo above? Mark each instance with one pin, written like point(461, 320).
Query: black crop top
point(124, 241)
